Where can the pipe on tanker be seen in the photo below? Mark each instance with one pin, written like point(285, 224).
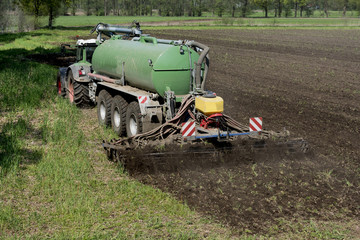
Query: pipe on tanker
point(163, 41)
point(104, 28)
point(203, 56)
point(205, 71)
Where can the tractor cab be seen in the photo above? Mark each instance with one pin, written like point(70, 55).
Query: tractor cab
point(85, 50)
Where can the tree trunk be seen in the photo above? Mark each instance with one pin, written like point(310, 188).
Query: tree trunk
point(114, 7)
point(276, 8)
point(137, 8)
point(183, 8)
point(296, 8)
point(266, 11)
point(233, 11)
point(73, 8)
point(36, 13)
point(326, 8)
point(88, 8)
point(51, 16)
point(244, 8)
point(97, 8)
point(345, 7)
point(280, 9)
point(200, 9)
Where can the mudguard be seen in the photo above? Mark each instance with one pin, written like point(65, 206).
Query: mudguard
point(75, 71)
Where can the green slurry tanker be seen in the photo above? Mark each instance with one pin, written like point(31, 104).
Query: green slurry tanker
point(152, 91)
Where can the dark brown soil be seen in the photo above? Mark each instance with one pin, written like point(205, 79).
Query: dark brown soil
point(306, 81)
point(55, 59)
point(303, 80)
point(252, 191)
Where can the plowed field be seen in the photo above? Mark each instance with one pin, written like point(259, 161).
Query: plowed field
point(304, 80)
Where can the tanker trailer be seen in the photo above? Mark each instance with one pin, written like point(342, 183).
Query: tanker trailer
point(152, 89)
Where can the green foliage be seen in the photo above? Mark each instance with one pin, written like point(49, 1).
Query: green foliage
point(264, 4)
point(309, 12)
point(355, 4)
point(220, 8)
point(68, 21)
point(287, 11)
point(42, 7)
point(52, 8)
point(227, 21)
point(192, 8)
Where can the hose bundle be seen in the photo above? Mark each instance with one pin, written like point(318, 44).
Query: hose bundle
point(172, 128)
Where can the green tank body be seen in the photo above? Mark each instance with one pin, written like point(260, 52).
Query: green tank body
point(147, 64)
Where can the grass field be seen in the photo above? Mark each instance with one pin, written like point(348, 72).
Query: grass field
point(126, 20)
point(213, 22)
point(55, 180)
point(256, 18)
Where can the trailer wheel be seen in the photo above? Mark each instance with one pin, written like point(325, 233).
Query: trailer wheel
point(81, 95)
point(118, 115)
point(133, 119)
point(104, 108)
point(70, 87)
point(60, 88)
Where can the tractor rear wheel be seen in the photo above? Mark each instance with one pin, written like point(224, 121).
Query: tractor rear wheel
point(78, 92)
point(133, 119)
point(81, 95)
point(104, 102)
point(118, 115)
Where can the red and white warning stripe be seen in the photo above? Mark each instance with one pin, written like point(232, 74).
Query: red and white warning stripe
point(188, 129)
point(143, 99)
point(81, 72)
point(255, 124)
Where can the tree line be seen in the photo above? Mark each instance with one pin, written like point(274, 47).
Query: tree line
point(233, 8)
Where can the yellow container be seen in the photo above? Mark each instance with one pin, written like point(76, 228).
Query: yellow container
point(209, 106)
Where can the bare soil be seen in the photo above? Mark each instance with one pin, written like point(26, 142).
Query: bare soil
point(55, 59)
point(303, 80)
point(306, 81)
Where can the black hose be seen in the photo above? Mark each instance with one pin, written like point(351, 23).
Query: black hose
point(203, 56)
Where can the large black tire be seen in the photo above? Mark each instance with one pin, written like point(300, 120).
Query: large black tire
point(118, 115)
point(81, 95)
point(60, 88)
point(104, 102)
point(133, 119)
